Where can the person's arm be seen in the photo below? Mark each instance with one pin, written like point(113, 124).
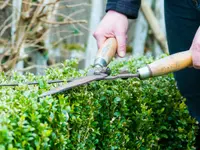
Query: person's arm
point(115, 22)
point(127, 7)
point(195, 48)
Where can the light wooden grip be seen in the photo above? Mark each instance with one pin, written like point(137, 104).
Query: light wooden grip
point(107, 51)
point(171, 63)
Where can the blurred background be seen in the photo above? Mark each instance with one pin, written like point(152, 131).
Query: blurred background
point(37, 34)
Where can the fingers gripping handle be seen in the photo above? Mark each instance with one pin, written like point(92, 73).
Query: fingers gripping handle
point(167, 65)
point(106, 52)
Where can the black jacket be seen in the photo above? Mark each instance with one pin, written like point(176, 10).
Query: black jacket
point(127, 7)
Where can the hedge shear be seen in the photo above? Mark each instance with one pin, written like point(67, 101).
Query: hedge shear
point(100, 71)
point(104, 55)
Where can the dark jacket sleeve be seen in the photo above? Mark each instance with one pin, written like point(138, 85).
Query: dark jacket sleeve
point(129, 8)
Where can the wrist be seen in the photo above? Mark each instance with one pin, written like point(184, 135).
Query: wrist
point(113, 12)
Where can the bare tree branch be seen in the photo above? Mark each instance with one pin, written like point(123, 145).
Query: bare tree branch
point(34, 15)
point(66, 37)
point(154, 24)
point(5, 22)
point(77, 5)
point(39, 4)
point(64, 22)
point(3, 41)
point(75, 13)
point(5, 4)
point(39, 66)
point(4, 29)
point(70, 18)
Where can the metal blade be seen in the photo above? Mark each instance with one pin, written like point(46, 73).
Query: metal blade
point(34, 83)
point(74, 83)
point(122, 76)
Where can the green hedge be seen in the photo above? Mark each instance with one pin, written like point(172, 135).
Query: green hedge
point(120, 114)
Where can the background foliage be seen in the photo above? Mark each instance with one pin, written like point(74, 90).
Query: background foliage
point(120, 114)
point(36, 34)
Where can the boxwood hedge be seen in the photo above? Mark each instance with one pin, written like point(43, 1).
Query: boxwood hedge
point(119, 114)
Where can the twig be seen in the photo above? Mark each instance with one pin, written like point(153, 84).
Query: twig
point(35, 4)
point(32, 67)
point(38, 66)
point(70, 18)
point(77, 5)
point(5, 4)
point(5, 22)
point(63, 23)
point(35, 46)
point(75, 13)
point(66, 37)
point(4, 29)
point(9, 4)
point(3, 41)
point(39, 39)
point(25, 56)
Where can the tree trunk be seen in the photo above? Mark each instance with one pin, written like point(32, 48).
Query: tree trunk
point(96, 14)
point(154, 24)
point(140, 34)
point(53, 53)
point(159, 12)
point(16, 13)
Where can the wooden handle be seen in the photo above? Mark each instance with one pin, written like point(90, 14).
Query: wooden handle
point(171, 63)
point(106, 52)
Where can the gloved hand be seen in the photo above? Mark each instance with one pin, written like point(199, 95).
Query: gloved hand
point(195, 48)
point(113, 24)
